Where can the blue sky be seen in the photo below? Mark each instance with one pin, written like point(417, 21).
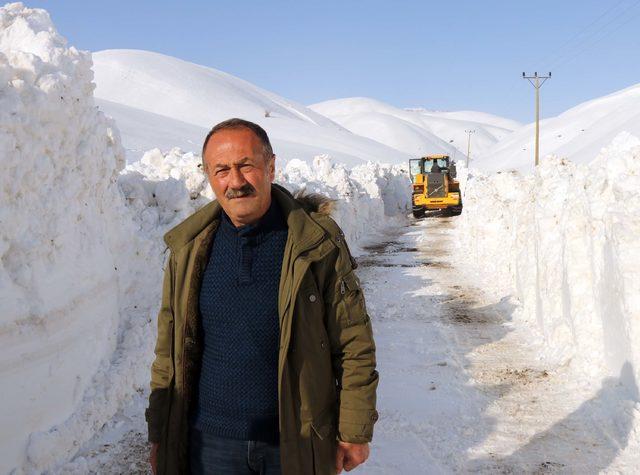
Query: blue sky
point(445, 55)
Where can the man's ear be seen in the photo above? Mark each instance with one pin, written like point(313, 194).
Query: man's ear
point(272, 168)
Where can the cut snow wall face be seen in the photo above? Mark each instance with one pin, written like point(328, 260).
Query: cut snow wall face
point(58, 286)
point(364, 194)
point(565, 240)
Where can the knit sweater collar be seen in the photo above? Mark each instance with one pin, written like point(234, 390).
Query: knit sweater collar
point(272, 220)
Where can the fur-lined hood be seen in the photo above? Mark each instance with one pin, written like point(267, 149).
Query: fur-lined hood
point(315, 202)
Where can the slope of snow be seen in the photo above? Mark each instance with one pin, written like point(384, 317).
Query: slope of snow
point(141, 130)
point(565, 241)
point(81, 250)
point(142, 87)
point(417, 132)
point(189, 92)
point(476, 116)
point(578, 134)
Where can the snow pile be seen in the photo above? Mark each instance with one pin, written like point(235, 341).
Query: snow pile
point(161, 101)
point(417, 132)
point(578, 134)
point(164, 189)
point(365, 194)
point(565, 240)
point(60, 244)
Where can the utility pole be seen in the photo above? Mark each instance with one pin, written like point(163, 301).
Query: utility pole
point(537, 85)
point(469, 132)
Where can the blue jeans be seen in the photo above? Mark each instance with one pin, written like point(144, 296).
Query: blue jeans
point(212, 455)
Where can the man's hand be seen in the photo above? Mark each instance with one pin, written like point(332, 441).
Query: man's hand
point(349, 456)
point(153, 457)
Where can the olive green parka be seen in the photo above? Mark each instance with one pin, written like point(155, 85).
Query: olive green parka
point(327, 374)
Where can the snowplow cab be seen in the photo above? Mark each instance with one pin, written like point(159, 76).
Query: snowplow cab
point(434, 186)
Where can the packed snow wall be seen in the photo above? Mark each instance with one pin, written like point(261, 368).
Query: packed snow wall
point(81, 250)
point(565, 241)
point(366, 196)
point(58, 278)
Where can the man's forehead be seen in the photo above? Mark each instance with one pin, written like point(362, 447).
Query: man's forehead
point(235, 137)
point(233, 148)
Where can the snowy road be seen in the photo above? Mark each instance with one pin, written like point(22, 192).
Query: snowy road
point(461, 389)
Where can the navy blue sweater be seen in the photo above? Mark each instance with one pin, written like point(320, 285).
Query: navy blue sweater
point(237, 394)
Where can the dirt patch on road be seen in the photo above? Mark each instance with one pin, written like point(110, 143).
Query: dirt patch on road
point(435, 264)
point(378, 263)
point(129, 455)
point(522, 376)
point(462, 312)
point(377, 248)
point(502, 380)
point(406, 249)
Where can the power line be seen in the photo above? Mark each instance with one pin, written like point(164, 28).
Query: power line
point(567, 60)
point(557, 53)
point(588, 40)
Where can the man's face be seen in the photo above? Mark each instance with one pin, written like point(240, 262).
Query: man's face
point(240, 174)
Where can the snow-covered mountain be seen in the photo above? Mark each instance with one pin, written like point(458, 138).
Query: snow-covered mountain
point(161, 101)
point(417, 131)
point(578, 134)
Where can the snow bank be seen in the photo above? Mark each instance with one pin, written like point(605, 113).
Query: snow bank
point(58, 252)
point(365, 194)
point(164, 189)
point(565, 240)
point(81, 249)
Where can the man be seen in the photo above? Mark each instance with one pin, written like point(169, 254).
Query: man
point(265, 359)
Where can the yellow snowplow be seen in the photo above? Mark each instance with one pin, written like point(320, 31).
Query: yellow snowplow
point(434, 186)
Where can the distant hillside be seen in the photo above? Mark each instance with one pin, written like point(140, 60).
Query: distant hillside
point(417, 131)
point(578, 134)
point(140, 89)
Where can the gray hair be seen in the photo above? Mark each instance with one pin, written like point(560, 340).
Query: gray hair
point(234, 124)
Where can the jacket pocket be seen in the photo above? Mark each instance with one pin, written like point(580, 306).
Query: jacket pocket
point(351, 306)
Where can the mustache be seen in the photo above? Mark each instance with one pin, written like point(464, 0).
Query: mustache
point(245, 190)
